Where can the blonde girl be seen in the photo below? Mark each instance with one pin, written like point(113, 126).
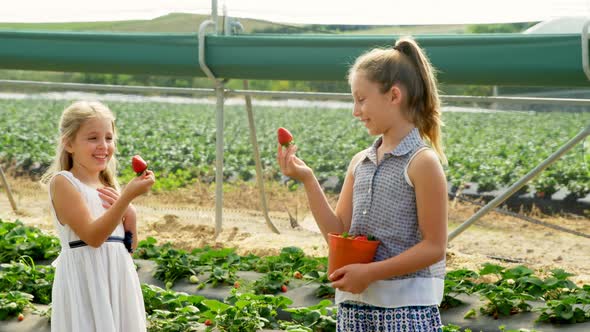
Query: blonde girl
point(96, 287)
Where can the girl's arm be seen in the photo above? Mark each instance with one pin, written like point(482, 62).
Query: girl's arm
point(71, 208)
point(430, 184)
point(328, 219)
point(130, 224)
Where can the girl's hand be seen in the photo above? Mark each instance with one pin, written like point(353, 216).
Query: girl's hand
point(353, 278)
point(292, 166)
point(140, 185)
point(109, 196)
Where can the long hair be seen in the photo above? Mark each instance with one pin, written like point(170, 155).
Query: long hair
point(70, 122)
point(406, 64)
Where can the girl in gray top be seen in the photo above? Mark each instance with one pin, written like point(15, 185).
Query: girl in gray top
point(394, 190)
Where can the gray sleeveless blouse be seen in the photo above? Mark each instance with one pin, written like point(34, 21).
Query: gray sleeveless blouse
point(384, 204)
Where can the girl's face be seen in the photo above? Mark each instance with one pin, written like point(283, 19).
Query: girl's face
point(378, 111)
point(93, 146)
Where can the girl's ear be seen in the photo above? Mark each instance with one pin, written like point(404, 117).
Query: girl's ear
point(396, 95)
point(67, 145)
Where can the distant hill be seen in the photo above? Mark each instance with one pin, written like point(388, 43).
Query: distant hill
point(176, 22)
point(180, 22)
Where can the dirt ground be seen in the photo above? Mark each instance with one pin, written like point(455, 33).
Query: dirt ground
point(186, 217)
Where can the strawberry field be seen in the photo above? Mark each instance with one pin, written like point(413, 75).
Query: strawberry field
point(210, 289)
point(217, 289)
point(178, 140)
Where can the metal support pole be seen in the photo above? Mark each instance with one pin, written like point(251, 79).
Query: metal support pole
point(585, 64)
point(215, 16)
point(520, 183)
point(8, 191)
point(259, 175)
point(229, 23)
point(274, 94)
point(219, 161)
point(220, 93)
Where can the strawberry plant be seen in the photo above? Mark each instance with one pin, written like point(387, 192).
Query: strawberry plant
point(503, 301)
point(567, 309)
point(158, 299)
point(147, 249)
point(171, 311)
point(360, 237)
point(289, 261)
point(25, 276)
point(13, 303)
point(454, 328)
point(502, 328)
point(271, 283)
point(320, 317)
point(17, 240)
point(250, 312)
point(325, 291)
point(457, 282)
point(516, 286)
point(545, 186)
point(221, 276)
point(225, 257)
point(551, 288)
point(172, 265)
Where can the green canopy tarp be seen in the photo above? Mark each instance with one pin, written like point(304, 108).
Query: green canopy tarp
point(491, 59)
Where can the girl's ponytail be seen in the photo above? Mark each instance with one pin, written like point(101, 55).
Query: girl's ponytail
point(424, 102)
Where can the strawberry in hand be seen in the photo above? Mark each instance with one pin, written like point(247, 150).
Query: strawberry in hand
point(285, 137)
point(139, 165)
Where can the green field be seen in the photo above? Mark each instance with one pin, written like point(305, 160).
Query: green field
point(178, 140)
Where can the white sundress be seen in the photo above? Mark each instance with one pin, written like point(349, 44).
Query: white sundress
point(95, 289)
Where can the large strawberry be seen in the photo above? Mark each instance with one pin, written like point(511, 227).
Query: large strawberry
point(139, 165)
point(285, 137)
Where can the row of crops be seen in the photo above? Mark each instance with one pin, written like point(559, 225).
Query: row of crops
point(264, 302)
point(178, 140)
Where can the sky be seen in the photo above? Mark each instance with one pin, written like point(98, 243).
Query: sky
point(369, 12)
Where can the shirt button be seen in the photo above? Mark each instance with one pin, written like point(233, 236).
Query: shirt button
point(364, 211)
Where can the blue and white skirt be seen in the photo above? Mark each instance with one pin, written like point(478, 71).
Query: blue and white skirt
point(358, 317)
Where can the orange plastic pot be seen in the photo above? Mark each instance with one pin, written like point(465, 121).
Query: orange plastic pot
point(345, 251)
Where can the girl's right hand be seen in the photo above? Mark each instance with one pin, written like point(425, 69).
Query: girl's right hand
point(292, 166)
point(140, 185)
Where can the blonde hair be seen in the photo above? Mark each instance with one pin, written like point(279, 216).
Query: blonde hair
point(72, 118)
point(406, 64)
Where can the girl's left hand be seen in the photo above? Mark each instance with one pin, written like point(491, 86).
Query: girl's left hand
point(109, 196)
point(353, 278)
